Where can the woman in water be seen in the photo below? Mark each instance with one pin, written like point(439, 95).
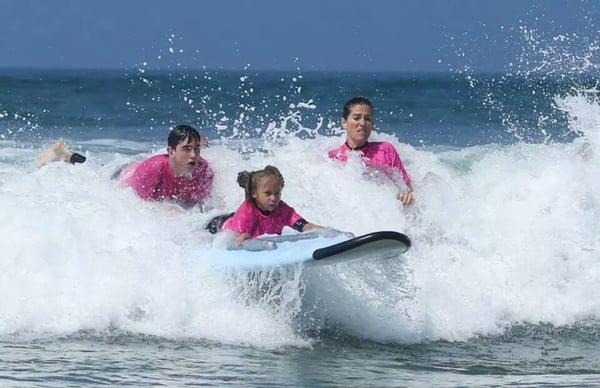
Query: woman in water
point(357, 120)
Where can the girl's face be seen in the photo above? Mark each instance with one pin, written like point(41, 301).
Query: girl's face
point(268, 193)
point(358, 125)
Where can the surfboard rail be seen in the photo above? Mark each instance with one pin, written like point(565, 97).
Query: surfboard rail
point(357, 242)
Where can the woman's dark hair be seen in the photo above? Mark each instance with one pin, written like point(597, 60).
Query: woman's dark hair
point(249, 180)
point(355, 101)
point(180, 133)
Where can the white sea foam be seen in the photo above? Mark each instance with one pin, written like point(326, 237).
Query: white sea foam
point(502, 234)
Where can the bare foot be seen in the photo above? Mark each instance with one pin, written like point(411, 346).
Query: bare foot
point(57, 151)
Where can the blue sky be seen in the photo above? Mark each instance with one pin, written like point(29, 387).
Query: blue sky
point(281, 35)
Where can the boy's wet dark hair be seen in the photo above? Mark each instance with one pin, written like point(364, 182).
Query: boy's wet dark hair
point(249, 180)
point(355, 101)
point(180, 133)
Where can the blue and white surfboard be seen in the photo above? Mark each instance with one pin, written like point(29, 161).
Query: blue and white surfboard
point(311, 251)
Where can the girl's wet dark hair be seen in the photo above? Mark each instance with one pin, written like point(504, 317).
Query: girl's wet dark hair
point(180, 133)
point(355, 101)
point(249, 180)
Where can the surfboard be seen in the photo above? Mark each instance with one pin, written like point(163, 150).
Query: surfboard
point(313, 251)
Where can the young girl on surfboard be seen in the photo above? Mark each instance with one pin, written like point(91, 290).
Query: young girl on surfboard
point(263, 211)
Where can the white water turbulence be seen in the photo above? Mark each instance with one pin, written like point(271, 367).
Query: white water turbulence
point(80, 253)
point(501, 235)
point(509, 234)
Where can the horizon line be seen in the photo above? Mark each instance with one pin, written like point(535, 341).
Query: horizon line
point(155, 70)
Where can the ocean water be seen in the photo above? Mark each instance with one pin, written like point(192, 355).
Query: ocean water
point(500, 286)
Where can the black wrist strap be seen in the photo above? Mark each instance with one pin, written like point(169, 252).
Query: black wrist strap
point(76, 158)
point(299, 225)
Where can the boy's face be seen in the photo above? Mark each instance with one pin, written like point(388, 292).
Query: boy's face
point(184, 157)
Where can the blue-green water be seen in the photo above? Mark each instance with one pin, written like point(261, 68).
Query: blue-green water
point(525, 355)
point(423, 109)
point(500, 287)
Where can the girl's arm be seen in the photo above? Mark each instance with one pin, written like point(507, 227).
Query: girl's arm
point(326, 231)
point(308, 226)
point(244, 241)
point(240, 238)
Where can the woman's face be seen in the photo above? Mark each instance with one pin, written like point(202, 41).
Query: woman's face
point(358, 125)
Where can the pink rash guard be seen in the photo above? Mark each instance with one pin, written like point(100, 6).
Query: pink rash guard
point(249, 219)
point(376, 154)
point(153, 180)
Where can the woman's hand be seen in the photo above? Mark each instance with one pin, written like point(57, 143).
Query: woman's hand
point(406, 197)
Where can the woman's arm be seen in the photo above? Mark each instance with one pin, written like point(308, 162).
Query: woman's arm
point(394, 161)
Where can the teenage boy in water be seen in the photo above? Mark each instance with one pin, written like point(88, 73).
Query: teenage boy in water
point(180, 175)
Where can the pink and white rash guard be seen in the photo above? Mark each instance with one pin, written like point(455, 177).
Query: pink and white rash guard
point(249, 219)
point(381, 155)
point(152, 179)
